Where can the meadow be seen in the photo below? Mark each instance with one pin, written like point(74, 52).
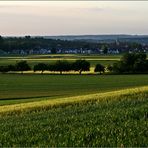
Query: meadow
point(17, 88)
point(39, 110)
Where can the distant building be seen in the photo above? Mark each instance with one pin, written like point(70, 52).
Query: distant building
point(113, 51)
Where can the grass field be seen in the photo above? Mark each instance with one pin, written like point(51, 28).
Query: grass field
point(17, 88)
point(118, 118)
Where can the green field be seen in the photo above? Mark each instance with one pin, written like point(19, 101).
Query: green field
point(69, 110)
point(118, 118)
point(33, 59)
point(15, 88)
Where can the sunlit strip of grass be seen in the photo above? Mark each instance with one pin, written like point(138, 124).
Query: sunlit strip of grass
point(54, 59)
point(33, 106)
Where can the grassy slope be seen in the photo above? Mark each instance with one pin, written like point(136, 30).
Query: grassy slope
point(108, 119)
point(17, 88)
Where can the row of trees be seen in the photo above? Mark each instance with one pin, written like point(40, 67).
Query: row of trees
point(59, 66)
point(129, 63)
point(19, 66)
point(64, 66)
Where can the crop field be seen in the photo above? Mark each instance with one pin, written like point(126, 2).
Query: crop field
point(33, 59)
point(117, 118)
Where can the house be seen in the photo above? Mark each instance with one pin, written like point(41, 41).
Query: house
point(113, 51)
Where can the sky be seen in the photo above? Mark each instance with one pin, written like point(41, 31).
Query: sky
point(19, 18)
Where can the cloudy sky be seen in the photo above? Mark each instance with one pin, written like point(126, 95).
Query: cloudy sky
point(73, 17)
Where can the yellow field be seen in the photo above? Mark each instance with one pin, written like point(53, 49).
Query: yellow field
point(10, 109)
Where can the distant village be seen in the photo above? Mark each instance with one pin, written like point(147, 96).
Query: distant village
point(64, 51)
point(68, 51)
point(74, 51)
point(28, 46)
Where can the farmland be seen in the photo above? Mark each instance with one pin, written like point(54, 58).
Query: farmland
point(72, 110)
point(33, 59)
point(15, 88)
point(118, 118)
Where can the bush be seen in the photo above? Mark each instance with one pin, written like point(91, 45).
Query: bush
point(99, 68)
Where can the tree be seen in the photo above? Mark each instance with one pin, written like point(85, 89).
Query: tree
point(22, 66)
point(104, 48)
point(81, 65)
point(1, 43)
point(51, 67)
point(135, 46)
point(40, 67)
point(109, 68)
point(128, 59)
point(140, 56)
point(140, 66)
point(99, 68)
point(119, 67)
point(131, 63)
point(28, 37)
point(4, 69)
point(53, 51)
point(11, 67)
point(7, 68)
point(62, 66)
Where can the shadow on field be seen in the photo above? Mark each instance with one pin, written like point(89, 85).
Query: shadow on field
point(22, 98)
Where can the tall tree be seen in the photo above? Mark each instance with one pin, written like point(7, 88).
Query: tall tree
point(22, 66)
point(62, 66)
point(81, 65)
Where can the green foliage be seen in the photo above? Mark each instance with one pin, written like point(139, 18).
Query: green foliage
point(81, 65)
point(26, 43)
point(40, 67)
point(131, 63)
point(4, 69)
point(62, 66)
point(105, 49)
point(22, 66)
point(109, 67)
point(135, 45)
point(53, 51)
point(7, 68)
point(99, 68)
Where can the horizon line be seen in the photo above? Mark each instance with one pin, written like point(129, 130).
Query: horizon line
point(107, 34)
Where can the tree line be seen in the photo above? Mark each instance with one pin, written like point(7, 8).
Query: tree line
point(129, 63)
point(28, 43)
point(59, 66)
